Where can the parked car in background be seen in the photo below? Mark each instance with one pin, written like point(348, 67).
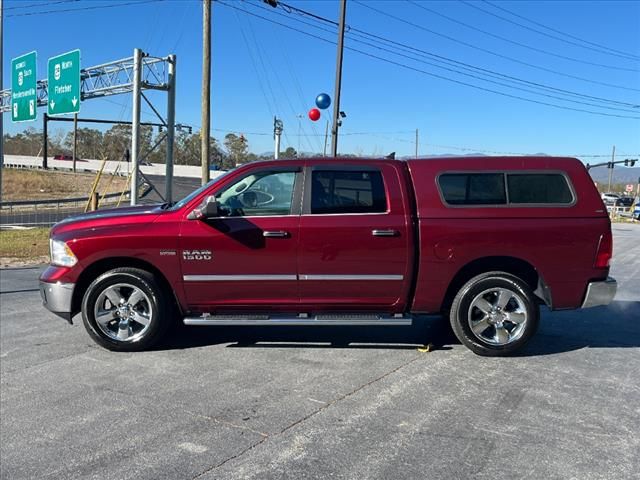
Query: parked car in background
point(609, 198)
point(625, 202)
point(482, 240)
point(67, 157)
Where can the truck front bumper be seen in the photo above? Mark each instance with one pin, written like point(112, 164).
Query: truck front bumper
point(57, 298)
point(600, 293)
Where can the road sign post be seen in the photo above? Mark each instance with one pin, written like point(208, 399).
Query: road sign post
point(24, 88)
point(64, 83)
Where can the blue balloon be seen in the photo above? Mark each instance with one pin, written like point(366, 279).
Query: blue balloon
point(323, 101)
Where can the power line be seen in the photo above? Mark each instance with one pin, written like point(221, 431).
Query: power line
point(514, 42)
point(39, 4)
point(475, 70)
point(442, 77)
point(499, 74)
point(427, 144)
point(490, 52)
point(279, 82)
point(612, 51)
point(255, 67)
point(93, 7)
point(518, 88)
point(450, 62)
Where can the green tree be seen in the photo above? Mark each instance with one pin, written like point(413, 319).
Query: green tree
point(89, 144)
point(28, 142)
point(290, 152)
point(118, 139)
point(238, 148)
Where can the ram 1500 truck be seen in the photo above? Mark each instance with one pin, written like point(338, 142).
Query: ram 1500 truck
point(321, 241)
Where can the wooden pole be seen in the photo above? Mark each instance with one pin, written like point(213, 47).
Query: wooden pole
point(206, 90)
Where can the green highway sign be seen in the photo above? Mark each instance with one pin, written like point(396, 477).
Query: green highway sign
point(24, 88)
point(64, 83)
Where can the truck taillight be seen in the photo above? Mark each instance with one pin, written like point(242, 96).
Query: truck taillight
point(605, 251)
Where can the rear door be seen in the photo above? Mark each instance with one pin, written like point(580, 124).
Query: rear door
point(356, 248)
point(246, 257)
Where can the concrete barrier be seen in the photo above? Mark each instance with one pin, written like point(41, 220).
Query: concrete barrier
point(23, 161)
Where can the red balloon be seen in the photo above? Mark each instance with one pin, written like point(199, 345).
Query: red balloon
point(314, 114)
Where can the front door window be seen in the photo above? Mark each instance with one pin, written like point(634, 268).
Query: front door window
point(259, 194)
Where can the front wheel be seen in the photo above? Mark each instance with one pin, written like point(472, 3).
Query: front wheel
point(494, 314)
point(124, 310)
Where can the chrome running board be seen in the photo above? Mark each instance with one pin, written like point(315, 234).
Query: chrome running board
point(301, 319)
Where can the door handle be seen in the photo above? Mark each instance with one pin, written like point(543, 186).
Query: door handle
point(275, 234)
point(385, 233)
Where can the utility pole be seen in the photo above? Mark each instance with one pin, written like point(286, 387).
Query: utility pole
point(336, 94)
point(416, 143)
point(75, 140)
point(205, 130)
point(278, 126)
point(613, 159)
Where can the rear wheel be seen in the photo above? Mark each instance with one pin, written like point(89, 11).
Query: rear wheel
point(494, 314)
point(124, 310)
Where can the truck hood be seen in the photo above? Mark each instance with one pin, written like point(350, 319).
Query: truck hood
point(109, 217)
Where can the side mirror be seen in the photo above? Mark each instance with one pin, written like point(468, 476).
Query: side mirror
point(208, 209)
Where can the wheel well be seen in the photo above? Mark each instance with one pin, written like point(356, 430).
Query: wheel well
point(101, 266)
point(515, 266)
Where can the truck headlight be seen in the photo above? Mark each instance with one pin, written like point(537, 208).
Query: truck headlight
point(61, 254)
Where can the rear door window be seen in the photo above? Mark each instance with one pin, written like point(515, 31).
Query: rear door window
point(473, 188)
point(538, 188)
point(347, 191)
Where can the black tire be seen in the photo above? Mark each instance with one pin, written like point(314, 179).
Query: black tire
point(488, 286)
point(153, 307)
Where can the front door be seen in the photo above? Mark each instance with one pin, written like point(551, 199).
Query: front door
point(355, 239)
point(246, 257)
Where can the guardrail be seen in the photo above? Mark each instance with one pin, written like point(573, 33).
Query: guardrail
point(45, 213)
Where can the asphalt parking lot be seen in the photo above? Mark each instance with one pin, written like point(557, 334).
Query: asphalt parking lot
point(317, 403)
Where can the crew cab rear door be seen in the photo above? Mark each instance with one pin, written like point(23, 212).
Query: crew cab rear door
point(356, 240)
point(246, 257)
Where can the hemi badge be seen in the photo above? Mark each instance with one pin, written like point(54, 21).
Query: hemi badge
point(167, 252)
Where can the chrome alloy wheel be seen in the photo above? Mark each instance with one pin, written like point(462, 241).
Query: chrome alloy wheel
point(498, 316)
point(123, 312)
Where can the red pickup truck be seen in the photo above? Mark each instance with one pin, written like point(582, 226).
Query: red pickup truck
point(321, 241)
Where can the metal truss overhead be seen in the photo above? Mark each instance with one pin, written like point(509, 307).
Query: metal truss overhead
point(111, 78)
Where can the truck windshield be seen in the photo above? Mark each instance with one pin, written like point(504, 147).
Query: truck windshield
point(195, 193)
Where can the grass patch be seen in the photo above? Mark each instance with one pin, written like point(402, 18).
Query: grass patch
point(30, 244)
point(19, 184)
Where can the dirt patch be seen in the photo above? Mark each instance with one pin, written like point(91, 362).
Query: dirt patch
point(24, 247)
point(13, 262)
point(20, 184)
